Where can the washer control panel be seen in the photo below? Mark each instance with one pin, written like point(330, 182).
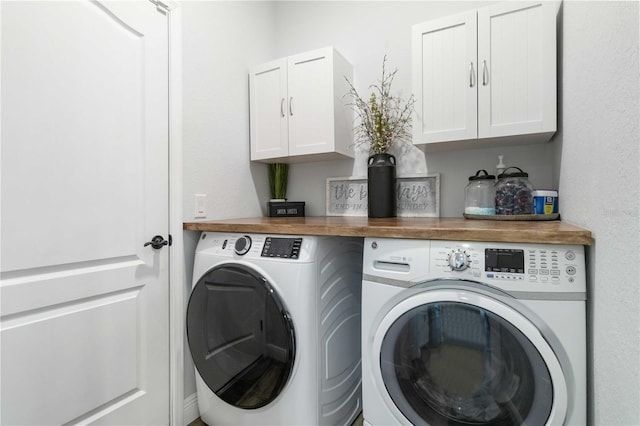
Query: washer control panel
point(510, 265)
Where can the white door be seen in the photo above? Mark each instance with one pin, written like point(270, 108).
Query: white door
point(269, 111)
point(311, 103)
point(517, 69)
point(84, 305)
point(445, 79)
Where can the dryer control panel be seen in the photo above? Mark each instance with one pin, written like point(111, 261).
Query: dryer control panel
point(287, 248)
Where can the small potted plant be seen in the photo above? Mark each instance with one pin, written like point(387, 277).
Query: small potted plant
point(278, 175)
point(382, 121)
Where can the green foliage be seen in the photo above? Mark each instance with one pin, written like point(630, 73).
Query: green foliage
point(278, 175)
point(384, 119)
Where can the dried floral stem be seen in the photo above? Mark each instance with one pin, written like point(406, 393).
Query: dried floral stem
point(384, 119)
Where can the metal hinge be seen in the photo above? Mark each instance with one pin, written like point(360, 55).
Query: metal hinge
point(161, 7)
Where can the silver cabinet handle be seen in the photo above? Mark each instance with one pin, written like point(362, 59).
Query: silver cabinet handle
point(282, 108)
point(472, 75)
point(485, 74)
point(291, 106)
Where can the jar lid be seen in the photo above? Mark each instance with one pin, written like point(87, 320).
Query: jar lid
point(545, 193)
point(513, 174)
point(478, 176)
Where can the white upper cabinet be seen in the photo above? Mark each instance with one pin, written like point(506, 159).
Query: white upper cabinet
point(486, 74)
point(297, 108)
point(269, 111)
point(445, 79)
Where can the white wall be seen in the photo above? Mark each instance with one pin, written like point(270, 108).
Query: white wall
point(599, 180)
point(594, 157)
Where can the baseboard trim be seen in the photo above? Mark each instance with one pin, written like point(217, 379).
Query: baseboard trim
point(191, 411)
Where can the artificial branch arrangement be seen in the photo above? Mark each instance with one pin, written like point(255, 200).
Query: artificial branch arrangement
point(384, 119)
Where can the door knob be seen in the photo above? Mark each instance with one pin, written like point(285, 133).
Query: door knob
point(158, 242)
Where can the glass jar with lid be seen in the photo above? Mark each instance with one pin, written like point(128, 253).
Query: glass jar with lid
point(514, 193)
point(479, 194)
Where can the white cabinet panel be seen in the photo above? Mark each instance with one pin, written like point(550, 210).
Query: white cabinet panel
point(297, 108)
point(516, 52)
point(444, 75)
point(269, 129)
point(310, 103)
point(486, 74)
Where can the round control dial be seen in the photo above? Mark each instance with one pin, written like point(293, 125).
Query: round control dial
point(243, 244)
point(459, 260)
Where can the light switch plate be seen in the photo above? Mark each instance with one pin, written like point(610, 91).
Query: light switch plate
point(201, 205)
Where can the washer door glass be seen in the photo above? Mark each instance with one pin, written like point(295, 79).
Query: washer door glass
point(241, 338)
point(458, 364)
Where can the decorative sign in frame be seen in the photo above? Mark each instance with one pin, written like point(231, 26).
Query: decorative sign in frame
point(346, 196)
point(418, 196)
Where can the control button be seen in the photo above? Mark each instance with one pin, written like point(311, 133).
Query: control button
point(458, 260)
point(489, 275)
point(571, 279)
point(571, 270)
point(569, 255)
point(243, 244)
point(555, 280)
point(555, 272)
point(544, 279)
point(533, 278)
point(533, 271)
point(544, 271)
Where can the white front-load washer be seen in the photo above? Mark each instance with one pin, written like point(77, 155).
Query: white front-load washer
point(273, 326)
point(480, 333)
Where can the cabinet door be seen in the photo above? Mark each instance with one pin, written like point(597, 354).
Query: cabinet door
point(517, 69)
point(269, 111)
point(311, 109)
point(445, 79)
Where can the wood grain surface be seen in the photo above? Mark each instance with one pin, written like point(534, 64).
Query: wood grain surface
point(458, 229)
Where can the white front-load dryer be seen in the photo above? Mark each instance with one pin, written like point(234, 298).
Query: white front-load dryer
point(273, 326)
point(480, 333)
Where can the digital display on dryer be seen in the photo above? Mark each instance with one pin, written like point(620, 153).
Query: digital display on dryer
point(287, 248)
point(504, 260)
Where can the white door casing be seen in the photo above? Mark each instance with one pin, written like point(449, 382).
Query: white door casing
point(85, 182)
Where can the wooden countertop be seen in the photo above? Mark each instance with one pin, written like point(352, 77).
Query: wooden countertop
point(457, 229)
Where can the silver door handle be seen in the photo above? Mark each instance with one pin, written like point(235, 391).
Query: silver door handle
point(291, 106)
point(485, 74)
point(472, 75)
point(282, 108)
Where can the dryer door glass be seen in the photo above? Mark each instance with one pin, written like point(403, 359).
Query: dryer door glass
point(458, 364)
point(240, 335)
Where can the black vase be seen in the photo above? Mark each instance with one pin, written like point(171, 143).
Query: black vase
point(381, 173)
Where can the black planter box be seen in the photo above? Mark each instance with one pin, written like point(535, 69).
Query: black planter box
point(286, 209)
